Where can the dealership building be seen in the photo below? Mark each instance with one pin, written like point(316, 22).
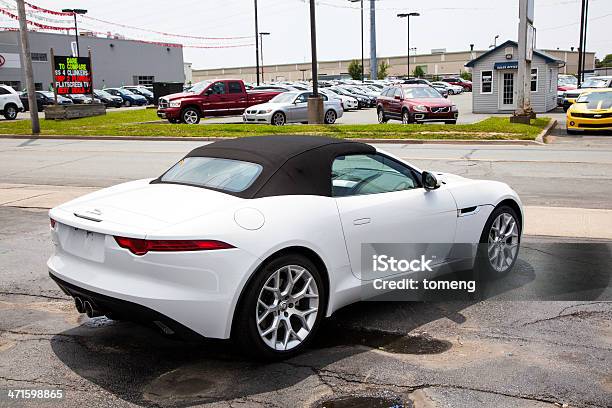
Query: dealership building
point(115, 61)
point(437, 63)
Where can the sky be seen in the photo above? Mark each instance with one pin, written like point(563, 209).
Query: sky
point(449, 24)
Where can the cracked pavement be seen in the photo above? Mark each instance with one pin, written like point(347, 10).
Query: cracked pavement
point(503, 353)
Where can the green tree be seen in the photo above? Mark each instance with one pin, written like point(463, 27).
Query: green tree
point(606, 62)
point(354, 69)
point(466, 75)
point(383, 69)
point(418, 72)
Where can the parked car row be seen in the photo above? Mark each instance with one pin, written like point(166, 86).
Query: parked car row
point(589, 84)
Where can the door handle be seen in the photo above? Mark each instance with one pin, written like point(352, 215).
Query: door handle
point(361, 221)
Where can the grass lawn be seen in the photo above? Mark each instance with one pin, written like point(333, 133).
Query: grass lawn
point(129, 123)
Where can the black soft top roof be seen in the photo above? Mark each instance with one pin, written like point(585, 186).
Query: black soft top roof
point(292, 165)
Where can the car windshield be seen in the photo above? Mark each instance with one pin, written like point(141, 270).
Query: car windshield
point(568, 81)
point(124, 92)
point(597, 100)
point(221, 174)
point(594, 83)
point(103, 94)
point(286, 97)
point(199, 87)
point(415, 93)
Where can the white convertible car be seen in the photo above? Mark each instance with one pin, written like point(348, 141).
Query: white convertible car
point(259, 238)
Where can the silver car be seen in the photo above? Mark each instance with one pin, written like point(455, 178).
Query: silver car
point(291, 107)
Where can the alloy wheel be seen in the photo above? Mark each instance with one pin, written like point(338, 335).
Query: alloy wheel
point(278, 119)
point(287, 307)
point(503, 242)
point(190, 117)
point(11, 112)
point(330, 117)
point(381, 116)
point(405, 117)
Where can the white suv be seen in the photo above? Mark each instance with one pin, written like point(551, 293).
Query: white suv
point(10, 104)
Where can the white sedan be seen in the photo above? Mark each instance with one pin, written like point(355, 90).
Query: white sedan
point(348, 103)
point(260, 238)
point(292, 107)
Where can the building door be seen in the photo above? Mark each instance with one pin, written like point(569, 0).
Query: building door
point(506, 90)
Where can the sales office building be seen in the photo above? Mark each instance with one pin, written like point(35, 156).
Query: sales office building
point(495, 86)
point(116, 62)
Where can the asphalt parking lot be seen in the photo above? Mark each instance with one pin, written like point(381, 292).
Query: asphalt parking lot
point(505, 351)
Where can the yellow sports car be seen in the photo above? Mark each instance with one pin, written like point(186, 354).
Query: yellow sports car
point(592, 111)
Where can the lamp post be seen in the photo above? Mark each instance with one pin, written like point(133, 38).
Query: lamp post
point(494, 42)
point(315, 102)
point(256, 44)
point(261, 35)
point(362, 57)
point(407, 17)
point(76, 28)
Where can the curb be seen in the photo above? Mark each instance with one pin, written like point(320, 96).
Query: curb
point(542, 138)
point(363, 140)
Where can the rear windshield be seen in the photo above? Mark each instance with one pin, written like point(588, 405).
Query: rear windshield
point(221, 174)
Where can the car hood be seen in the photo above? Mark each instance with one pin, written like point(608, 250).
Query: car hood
point(179, 95)
point(431, 102)
point(269, 105)
point(140, 208)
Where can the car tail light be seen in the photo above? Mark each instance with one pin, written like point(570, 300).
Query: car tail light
point(52, 222)
point(142, 246)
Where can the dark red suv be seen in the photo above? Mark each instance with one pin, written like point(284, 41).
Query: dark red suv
point(415, 104)
point(467, 85)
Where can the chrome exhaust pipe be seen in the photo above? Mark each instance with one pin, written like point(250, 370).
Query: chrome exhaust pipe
point(78, 303)
point(91, 311)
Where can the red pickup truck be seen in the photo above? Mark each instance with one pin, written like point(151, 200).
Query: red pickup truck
point(220, 97)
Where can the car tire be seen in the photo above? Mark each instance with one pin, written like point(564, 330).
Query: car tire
point(190, 116)
point(330, 117)
point(278, 332)
point(382, 118)
point(487, 265)
point(450, 122)
point(278, 119)
point(10, 112)
point(127, 103)
point(406, 117)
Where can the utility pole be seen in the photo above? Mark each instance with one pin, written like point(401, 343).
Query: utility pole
point(26, 57)
point(580, 43)
point(315, 102)
point(256, 44)
point(526, 39)
point(584, 39)
point(373, 61)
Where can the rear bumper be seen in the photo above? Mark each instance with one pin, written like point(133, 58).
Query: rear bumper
point(125, 310)
point(197, 290)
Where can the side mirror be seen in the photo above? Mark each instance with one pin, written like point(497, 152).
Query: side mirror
point(429, 180)
point(208, 92)
point(399, 98)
